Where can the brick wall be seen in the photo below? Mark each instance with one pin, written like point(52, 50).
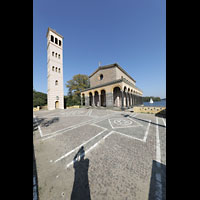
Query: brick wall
point(108, 76)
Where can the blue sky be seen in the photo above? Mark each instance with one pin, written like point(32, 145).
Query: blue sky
point(131, 33)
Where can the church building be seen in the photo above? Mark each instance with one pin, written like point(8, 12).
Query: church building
point(111, 86)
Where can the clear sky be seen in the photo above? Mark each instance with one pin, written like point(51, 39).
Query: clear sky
point(131, 33)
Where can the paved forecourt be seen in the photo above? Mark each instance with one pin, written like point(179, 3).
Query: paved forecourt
point(121, 154)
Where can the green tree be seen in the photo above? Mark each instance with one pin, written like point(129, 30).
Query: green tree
point(78, 83)
point(147, 99)
point(39, 98)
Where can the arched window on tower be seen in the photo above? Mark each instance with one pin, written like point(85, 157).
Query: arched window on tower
point(59, 42)
point(52, 53)
point(52, 38)
point(58, 70)
point(56, 82)
point(56, 40)
point(53, 68)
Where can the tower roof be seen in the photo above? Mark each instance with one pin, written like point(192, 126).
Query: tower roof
point(50, 29)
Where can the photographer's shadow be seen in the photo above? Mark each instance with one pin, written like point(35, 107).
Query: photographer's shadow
point(81, 189)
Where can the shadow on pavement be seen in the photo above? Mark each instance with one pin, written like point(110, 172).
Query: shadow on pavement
point(162, 113)
point(43, 122)
point(158, 181)
point(49, 122)
point(35, 179)
point(143, 120)
point(81, 189)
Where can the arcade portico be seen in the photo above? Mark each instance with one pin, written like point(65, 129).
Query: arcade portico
point(111, 86)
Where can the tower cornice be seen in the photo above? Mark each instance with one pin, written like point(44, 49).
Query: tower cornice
point(50, 29)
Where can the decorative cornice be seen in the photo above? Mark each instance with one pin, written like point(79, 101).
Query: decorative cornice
point(112, 82)
point(50, 29)
point(102, 85)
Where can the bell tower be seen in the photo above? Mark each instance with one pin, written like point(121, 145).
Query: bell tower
point(55, 93)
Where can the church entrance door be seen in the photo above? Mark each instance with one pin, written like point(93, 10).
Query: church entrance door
point(57, 104)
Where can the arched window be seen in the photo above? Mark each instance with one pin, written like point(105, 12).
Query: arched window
point(59, 56)
point(56, 82)
point(56, 55)
point(53, 68)
point(59, 42)
point(52, 38)
point(52, 53)
point(56, 69)
point(101, 76)
point(56, 40)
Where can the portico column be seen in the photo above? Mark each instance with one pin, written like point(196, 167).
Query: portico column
point(99, 100)
point(122, 106)
point(126, 99)
point(86, 100)
point(109, 99)
point(132, 100)
point(135, 100)
point(129, 100)
point(93, 104)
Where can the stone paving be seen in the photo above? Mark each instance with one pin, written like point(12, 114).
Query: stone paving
point(99, 154)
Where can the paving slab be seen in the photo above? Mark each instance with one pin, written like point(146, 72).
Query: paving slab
point(104, 155)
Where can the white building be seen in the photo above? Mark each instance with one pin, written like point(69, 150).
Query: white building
point(55, 93)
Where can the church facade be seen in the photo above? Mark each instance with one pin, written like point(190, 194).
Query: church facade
point(111, 86)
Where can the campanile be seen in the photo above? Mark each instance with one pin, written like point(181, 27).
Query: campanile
point(55, 93)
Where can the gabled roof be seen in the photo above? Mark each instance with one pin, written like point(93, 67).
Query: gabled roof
point(110, 66)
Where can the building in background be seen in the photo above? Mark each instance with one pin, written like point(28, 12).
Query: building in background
point(111, 86)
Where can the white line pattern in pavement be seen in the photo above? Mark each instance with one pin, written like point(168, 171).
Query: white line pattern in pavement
point(158, 192)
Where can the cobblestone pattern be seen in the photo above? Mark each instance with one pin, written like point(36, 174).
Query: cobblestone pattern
point(117, 168)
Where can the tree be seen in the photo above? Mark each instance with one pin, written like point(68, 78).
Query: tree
point(147, 99)
point(39, 98)
point(79, 82)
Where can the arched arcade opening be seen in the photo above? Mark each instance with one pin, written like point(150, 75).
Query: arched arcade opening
point(103, 98)
point(117, 97)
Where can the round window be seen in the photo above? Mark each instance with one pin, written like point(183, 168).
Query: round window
point(101, 76)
